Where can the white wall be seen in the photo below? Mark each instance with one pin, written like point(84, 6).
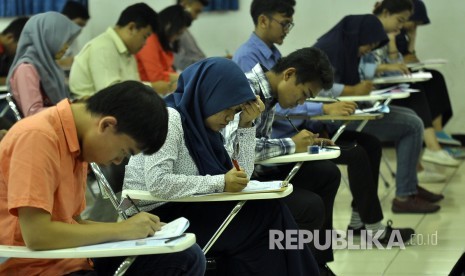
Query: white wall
point(218, 32)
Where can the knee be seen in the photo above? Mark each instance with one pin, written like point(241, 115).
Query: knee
point(196, 260)
point(415, 123)
point(308, 211)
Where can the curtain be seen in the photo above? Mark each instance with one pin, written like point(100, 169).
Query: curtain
point(12, 8)
point(222, 5)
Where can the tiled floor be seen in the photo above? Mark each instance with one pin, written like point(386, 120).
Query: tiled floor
point(427, 257)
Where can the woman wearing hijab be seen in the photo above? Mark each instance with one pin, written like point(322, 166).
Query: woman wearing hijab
point(35, 79)
point(387, 61)
point(345, 44)
point(193, 160)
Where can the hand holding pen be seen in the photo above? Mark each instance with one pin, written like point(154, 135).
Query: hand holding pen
point(303, 139)
point(236, 179)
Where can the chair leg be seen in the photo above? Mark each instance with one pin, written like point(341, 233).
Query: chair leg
point(223, 226)
point(123, 267)
point(393, 174)
point(386, 183)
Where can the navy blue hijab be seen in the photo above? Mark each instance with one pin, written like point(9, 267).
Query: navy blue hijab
point(204, 89)
point(342, 41)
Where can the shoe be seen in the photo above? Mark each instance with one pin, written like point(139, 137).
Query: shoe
point(440, 157)
point(445, 138)
point(356, 231)
point(325, 270)
point(414, 204)
point(455, 152)
point(405, 234)
point(426, 176)
point(427, 195)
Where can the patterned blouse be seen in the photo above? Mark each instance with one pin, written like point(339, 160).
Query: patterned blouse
point(171, 172)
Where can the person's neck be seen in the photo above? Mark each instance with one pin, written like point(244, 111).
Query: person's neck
point(273, 80)
point(262, 36)
point(82, 119)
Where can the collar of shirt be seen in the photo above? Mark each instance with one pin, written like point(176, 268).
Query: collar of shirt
point(260, 83)
point(266, 51)
point(69, 126)
point(122, 49)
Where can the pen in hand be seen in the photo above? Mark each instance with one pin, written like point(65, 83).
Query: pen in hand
point(175, 238)
point(292, 124)
point(236, 164)
point(234, 156)
point(133, 203)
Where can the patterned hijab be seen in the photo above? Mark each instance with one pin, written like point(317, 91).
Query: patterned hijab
point(204, 89)
point(342, 41)
point(42, 37)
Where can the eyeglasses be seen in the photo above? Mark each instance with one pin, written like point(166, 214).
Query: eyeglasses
point(287, 26)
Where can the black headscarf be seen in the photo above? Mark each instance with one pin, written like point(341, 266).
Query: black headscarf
point(342, 41)
point(204, 89)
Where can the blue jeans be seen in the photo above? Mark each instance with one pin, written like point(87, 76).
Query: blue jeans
point(403, 127)
point(188, 262)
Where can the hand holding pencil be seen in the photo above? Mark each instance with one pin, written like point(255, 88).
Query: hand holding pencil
point(235, 180)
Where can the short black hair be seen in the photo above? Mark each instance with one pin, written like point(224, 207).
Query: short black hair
point(203, 2)
point(270, 7)
point(393, 6)
point(172, 20)
point(73, 10)
point(139, 111)
point(16, 27)
point(141, 14)
point(311, 64)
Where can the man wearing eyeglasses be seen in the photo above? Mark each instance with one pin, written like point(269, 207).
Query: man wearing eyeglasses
point(273, 21)
point(311, 203)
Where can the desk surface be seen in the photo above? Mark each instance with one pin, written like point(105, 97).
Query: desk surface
point(354, 117)
point(429, 63)
point(414, 77)
point(303, 156)
point(124, 248)
point(145, 195)
point(396, 95)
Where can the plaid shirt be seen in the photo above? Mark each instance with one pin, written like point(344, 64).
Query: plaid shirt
point(265, 146)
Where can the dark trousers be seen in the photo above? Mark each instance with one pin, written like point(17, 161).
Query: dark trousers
point(418, 103)
point(311, 203)
point(188, 262)
point(243, 248)
point(363, 163)
point(432, 100)
point(438, 97)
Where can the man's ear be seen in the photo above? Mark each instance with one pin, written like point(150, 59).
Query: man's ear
point(132, 27)
point(288, 73)
point(107, 123)
point(262, 21)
